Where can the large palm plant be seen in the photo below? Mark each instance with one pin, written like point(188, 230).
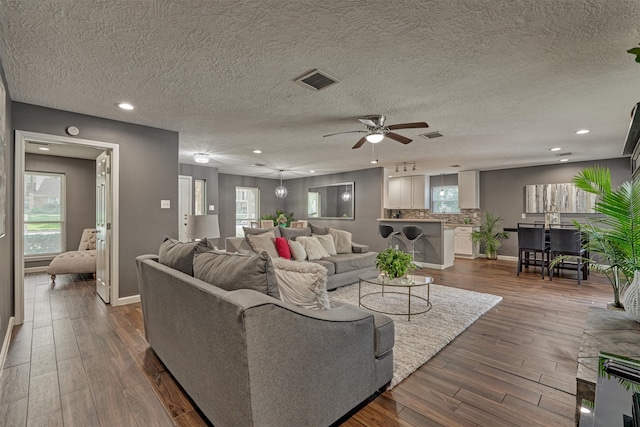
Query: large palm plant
point(490, 235)
point(615, 236)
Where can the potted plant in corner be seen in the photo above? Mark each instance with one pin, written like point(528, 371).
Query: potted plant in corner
point(490, 235)
point(614, 249)
point(394, 263)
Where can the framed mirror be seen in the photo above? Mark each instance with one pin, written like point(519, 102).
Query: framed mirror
point(333, 201)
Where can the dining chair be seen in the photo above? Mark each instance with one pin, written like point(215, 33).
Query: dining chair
point(533, 250)
point(266, 223)
point(567, 241)
point(298, 224)
point(254, 224)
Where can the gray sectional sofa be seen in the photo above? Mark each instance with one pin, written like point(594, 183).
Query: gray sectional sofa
point(342, 269)
point(248, 359)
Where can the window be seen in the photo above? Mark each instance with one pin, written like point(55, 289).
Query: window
point(313, 207)
point(446, 203)
point(200, 197)
point(43, 213)
point(247, 208)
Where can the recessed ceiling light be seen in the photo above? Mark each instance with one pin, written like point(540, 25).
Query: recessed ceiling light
point(44, 148)
point(373, 162)
point(582, 131)
point(125, 106)
point(257, 151)
point(312, 171)
point(564, 160)
point(555, 149)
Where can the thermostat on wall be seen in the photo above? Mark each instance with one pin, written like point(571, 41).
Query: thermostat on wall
point(73, 131)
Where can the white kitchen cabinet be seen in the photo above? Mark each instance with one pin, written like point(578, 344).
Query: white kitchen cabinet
point(469, 190)
point(406, 192)
point(464, 247)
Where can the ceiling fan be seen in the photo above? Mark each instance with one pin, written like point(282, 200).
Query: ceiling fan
point(376, 130)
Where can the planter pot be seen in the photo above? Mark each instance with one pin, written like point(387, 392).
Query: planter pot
point(631, 298)
point(491, 255)
point(612, 306)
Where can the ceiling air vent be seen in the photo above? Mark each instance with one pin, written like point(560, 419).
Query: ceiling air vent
point(563, 154)
point(316, 80)
point(455, 166)
point(431, 135)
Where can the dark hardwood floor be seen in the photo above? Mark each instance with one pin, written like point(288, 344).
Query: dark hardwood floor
point(78, 362)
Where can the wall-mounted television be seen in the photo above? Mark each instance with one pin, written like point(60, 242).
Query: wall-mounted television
point(631, 146)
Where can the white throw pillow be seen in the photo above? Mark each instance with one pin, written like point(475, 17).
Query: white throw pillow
point(297, 250)
point(265, 242)
point(302, 283)
point(312, 247)
point(341, 240)
point(326, 240)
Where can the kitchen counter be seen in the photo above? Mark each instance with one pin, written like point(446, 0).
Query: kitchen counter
point(434, 248)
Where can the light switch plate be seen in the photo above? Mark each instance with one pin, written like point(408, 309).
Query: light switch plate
point(524, 216)
point(165, 204)
point(212, 208)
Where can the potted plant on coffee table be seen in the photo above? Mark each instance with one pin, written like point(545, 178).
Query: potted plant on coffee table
point(394, 263)
point(490, 235)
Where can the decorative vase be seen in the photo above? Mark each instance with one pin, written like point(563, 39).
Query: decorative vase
point(631, 298)
point(491, 254)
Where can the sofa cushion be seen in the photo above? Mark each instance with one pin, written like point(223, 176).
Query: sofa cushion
point(326, 240)
point(326, 263)
point(179, 255)
point(312, 247)
point(265, 242)
point(294, 233)
point(350, 262)
point(282, 246)
point(249, 230)
point(297, 250)
point(341, 240)
point(234, 271)
point(318, 229)
point(302, 283)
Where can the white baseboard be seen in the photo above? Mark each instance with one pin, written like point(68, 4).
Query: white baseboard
point(5, 344)
point(127, 300)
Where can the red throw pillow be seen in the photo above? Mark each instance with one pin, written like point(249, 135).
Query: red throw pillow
point(283, 248)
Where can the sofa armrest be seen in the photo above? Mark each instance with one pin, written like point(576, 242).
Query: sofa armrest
point(359, 249)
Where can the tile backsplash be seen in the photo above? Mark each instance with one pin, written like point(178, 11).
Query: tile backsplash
point(450, 218)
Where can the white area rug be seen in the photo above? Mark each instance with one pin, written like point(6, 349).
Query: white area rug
point(418, 340)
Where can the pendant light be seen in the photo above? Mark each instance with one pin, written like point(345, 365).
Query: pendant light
point(281, 190)
point(441, 193)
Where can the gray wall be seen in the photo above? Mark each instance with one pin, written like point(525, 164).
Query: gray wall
point(6, 240)
point(210, 175)
point(80, 181)
point(227, 200)
point(502, 191)
point(368, 184)
point(148, 174)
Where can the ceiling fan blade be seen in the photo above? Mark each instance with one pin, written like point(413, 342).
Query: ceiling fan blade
point(351, 131)
point(368, 122)
point(408, 125)
point(398, 138)
point(359, 143)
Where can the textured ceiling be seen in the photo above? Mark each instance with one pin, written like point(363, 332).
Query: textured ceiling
point(503, 80)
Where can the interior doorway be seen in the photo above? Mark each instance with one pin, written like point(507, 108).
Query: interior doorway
point(22, 139)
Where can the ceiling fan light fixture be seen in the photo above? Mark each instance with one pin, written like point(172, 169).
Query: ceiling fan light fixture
point(374, 138)
point(201, 158)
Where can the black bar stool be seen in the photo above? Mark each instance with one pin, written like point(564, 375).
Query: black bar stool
point(387, 232)
point(412, 232)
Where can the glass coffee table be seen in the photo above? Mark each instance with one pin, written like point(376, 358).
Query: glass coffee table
point(409, 282)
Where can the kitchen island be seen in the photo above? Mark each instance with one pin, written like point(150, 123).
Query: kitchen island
point(434, 249)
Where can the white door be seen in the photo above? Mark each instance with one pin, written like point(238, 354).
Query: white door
point(184, 205)
point(103, 225)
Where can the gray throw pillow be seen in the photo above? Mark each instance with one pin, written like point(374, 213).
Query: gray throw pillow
point(265, 242)
point(234, 271)
point(319, 229)
point(294, 233)
point(249, 230)
point(179, 255)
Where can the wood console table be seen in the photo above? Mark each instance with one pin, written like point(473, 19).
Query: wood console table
point(608, 331)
